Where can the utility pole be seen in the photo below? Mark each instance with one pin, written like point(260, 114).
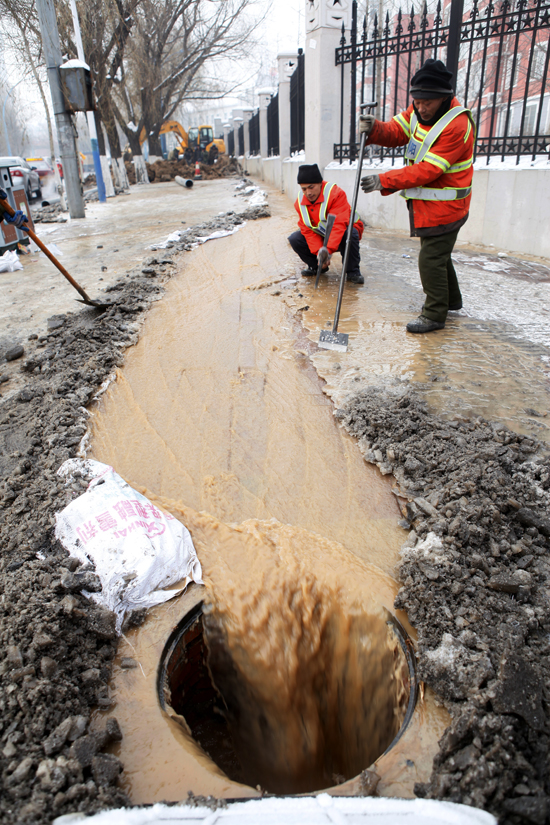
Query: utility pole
point(89, 115)
point(63, 122)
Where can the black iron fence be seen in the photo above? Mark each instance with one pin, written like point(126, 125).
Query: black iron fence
point(254, 134)
point(499, 53)
point(240, 134)
point(231, 143)
point(297, 106)
point(273, 126)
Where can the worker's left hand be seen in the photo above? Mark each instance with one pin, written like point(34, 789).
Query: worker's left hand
point(3, 195)
point(323, 256)
point(18, 218)
point(366, 124)
point(371, 183)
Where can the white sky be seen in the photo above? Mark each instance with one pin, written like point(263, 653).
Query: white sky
point(284, 28)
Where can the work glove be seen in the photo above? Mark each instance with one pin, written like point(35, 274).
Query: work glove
point(323, 256)
point(18, 218)
point(371, 183)
point(3, 195)
point(366, 124)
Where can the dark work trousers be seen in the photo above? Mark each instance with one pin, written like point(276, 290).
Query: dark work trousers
point(438, 276)
point(300, 247)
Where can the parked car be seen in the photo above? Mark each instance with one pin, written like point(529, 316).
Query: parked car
point(42, 166)
point(22, 172)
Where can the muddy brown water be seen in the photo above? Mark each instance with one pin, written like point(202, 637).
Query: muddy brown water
point(219, 416)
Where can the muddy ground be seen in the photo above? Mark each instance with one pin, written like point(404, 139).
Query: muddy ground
point(474, 495)
point(57, 647)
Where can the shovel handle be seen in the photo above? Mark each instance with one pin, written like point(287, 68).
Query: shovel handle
point(368, 106)
point(7, 208)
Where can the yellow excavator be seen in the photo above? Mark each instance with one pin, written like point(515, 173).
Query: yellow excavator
point(210, 147)
point(197, 144)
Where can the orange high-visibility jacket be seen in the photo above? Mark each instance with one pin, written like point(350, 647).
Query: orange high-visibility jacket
point(447, 165)
point(312, 217)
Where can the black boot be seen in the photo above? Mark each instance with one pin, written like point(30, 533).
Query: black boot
point(355, 277)
point(423, 324)
point(309, 272)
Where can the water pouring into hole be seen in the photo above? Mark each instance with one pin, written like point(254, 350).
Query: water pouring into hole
point(304, 697)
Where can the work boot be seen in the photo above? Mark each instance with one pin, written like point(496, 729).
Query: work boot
point(455, 307)
point(355, 277)
point(309, 272)
point(423, 324)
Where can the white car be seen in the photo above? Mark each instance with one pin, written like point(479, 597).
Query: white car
point(23, 173)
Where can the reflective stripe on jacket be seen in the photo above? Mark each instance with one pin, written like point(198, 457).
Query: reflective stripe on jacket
point(312, 217)
point(439, 171)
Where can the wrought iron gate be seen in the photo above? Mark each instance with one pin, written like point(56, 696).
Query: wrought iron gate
point(273, 126)
point(297, 106)
point(254, 134)
point(501, 55)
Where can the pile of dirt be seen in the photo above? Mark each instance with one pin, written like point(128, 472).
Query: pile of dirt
point(475, 573)
point(163, 171)
point(56, 645)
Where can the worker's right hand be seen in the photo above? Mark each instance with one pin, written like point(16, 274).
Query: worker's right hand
point(366, 124)
point(18, 218)
point(323, 256)
point(371, 183)
point(3, 195)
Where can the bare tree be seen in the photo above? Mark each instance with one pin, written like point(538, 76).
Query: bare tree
point(174, 45)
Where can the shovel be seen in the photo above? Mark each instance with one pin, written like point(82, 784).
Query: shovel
point(328, 230)
point(332, 339)
point(84, 299)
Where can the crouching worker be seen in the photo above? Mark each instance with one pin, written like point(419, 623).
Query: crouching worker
point(318, 200)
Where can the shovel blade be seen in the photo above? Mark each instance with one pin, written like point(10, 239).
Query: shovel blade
point(333, 340)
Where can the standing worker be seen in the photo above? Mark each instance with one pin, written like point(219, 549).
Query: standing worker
point(436, 182)
point(319, 200)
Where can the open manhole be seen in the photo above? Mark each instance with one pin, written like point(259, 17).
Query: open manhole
point(187, 690)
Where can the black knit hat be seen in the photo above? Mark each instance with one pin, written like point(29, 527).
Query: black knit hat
point(431, 81)
point(309, 174)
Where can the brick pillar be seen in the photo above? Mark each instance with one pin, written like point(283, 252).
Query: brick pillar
point(322, 79)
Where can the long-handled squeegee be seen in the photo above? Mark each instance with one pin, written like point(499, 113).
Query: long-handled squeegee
point(332, 339)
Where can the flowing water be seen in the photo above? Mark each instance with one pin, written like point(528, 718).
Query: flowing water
point(220, 417)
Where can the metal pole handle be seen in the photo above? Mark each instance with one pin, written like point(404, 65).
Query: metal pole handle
point(351, 221)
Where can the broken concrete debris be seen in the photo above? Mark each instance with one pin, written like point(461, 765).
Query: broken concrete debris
point(474, 568)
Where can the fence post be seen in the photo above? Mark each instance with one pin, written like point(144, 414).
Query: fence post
point(453, 45)
point(322, 80)
point(286, 62)
point(264, 96)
